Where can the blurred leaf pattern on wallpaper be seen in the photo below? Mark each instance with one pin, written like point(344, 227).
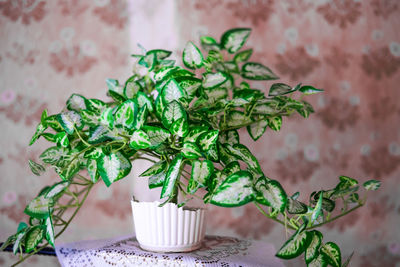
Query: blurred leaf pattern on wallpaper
point(49, 49)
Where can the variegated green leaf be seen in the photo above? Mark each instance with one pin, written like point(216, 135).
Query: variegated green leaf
point(212, 80)
point(216, 93)
point(232, 40)
point(139, 140)
point(372, 185)
point(95, 105)
point(142, 99)
point(296, 207)
point(212, 153)
point(107, 118)
point(194, 133)
point(126, 114)
point(165, 72)
point(257, 129)
point(209, 43)
point(172, 91)
point(243, 55)
point(230, 137)
point(189, 84)
point(180, 127)
point(69, 170)
point(317, 211)
point(56, 189)
point(275, 123)
point(191, 150)
point(295, 245)
point(172, 112)
point(257, 71)
point(18, 241)
point(157, 135)
point(271, 193)
point(157, 180)
point(39, 130)
point(132, 87)
point(242, 153)
point(98, 134)
point(50, 231)
point(39, 207)
point(169, 187)
point(92, 169)
point(76, 102)
point(201, 171)
point(70, 120)
point(113, 167)
point(141, 118)
point(237, 119)
point(309, 90)
point(155, 169)
point(207, 139)
point(52, 154)
point(36, 168)
point(235, 191)
point(231, 168)
point(331, 251)
point(33, 238)
point(62, 139)
point(89, 117)
point(192, 57)
point(280, 89)
point(159, 54)
point(312, 250)
point(319, 261)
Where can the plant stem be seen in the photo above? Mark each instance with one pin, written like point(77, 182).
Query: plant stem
point(271, 217)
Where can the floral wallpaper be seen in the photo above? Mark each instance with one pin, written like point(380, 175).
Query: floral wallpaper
point(49, 49)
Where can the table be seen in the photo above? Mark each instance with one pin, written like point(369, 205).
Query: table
point(125, 251)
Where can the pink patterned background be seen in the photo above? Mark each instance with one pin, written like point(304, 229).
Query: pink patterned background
point(49, 49)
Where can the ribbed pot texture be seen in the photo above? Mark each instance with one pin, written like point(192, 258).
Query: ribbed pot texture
point(168, 228)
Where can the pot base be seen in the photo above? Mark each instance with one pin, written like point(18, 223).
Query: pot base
point(165, 249)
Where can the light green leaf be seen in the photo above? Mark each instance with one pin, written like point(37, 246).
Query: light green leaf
point(207, 139)
point(243, 55)
point(235, 191)
point(169, 188)
point(372, 185)
point(257, 129)
point(172, 112)
point(56, 189)
point(192, 57)
point(33, 238)
point(312, 250)
point(107, 118)
point(295, 245)
point(141, 118)
point(139, 140)
point(309, 90)
point(157, 135)
point(36, 168)
point(50, 231)
point(155, 169)
point(347, 181)
point(232, 40)
point(39, 207)
point(180, 127)
point(113, 167)
point(271, 193)
point(257, 71)
point(190, 150)
point(62, 139)
point(76, 102)
point(212, 80)
point(172, 91)
point(331, 251)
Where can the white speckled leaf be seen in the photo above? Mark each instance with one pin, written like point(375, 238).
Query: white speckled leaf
point(192, 57)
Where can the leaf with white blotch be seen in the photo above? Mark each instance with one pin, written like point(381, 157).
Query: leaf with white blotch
point(319, 261)
point(132, 87)
point(347, 182)
point(159, 54)
point(39, 130)
point(157, 135)
point(194, 133)
point(296, 207)
point(98, 134)
point(172, 91)
point(49, 231)
point(142, 99)
point(76, 102)
point(189, 84)
point(107, 117)
point(237, 118)
point(242, 153)
point(70, 169)
point(235, 191)
point(36, 168)
point(257, 71)
point(139, 140)
point(169, 188)
point(164, 72)
point(157, 180)
point(317, 211)
point(180, 127)
point(92, 170)
point(275, 123)
point(39, 207)
point(33, 237)
point(155, 169)
point(212, 153)
point(201, 171)
point(190, 150)
point(372, 185)
point(141, 118)
point(212, 80)
point(243, 55)
point(18, 240)
point(309, 90)
point(95, 105)
point(257, 129)
point(56, 189)
point(89, 117)
point(113, 167)
point(209, 43)
point(113, 85)
point(230, 137)
point(62, 139)
point(233, 39)
point(231, 168)
point(207, 139)
point(70, 120)
point(52, 154)
point(312, 250)
point(172, 112)
point(271, 193)
point(280, 89)
point(215, 94)
point(331, 251)
point(265, 109)
point(192, 57)
point(295, 245)
point(125, 115)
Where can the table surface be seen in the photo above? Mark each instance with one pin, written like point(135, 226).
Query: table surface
point(125, 251)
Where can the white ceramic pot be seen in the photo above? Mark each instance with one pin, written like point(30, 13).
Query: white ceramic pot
point(168, 228)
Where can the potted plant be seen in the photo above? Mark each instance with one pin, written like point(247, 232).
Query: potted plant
point(185, 120)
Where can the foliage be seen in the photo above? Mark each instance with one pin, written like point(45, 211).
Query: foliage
point(188, 119)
